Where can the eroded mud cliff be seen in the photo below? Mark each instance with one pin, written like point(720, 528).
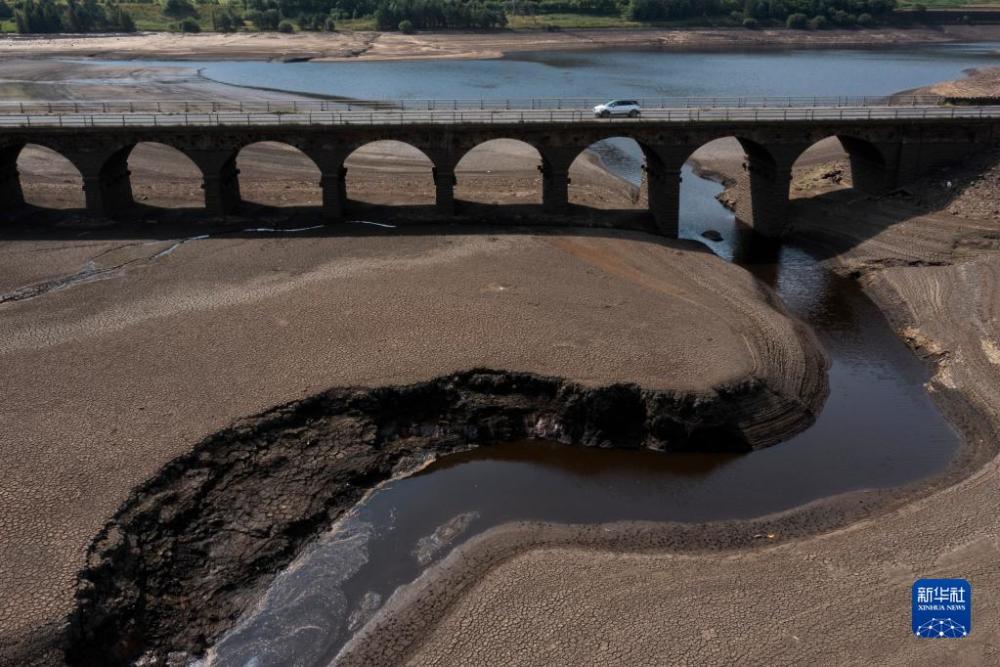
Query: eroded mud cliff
point(191, 548)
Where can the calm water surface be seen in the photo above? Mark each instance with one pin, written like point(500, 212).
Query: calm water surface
point(877, 429)
point(618, 74)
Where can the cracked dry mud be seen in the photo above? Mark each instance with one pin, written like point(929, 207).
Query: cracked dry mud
point(173, 350)
point(163, 356)
point(217, 524)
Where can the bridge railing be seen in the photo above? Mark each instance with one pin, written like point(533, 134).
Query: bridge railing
point(484, 104)
point(412, 117)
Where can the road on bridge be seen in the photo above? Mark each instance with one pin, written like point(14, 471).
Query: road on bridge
point(145, 114)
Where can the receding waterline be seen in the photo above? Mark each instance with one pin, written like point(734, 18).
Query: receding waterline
point(878, 428)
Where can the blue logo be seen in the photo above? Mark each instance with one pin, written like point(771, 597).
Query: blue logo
point(942, 608)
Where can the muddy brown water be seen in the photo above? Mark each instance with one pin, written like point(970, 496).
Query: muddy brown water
point(878, 429)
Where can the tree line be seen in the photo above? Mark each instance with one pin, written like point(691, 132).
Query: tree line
point(800, 14)
point(47, 16)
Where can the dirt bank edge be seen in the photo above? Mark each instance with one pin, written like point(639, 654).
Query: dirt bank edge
point(191, 548)
point(397, 629)
point(371, 46)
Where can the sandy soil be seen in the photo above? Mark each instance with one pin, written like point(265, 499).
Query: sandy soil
point(160, 338)
point(983, 82)
point(396, 46)
point(554, 595)
point(163, 348)
point(839, 598)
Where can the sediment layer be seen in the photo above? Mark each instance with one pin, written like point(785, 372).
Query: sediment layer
point(192, 547)
point(371, 45)
point(623, 594)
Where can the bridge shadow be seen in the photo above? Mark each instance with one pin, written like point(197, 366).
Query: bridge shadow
point(831, 223)
point(150, 223)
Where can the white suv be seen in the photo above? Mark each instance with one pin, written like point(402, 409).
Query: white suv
point(628, 108)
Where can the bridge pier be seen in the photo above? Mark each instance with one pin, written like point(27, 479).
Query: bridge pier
point(11, 195)
point(763, 197)
point(556, 161)
point(444, 191)
point(874, 167)
point(663, 189)
point(555, 189)
point(220, 179)
point(334, 186)
point(763, 189)
point(107, 188)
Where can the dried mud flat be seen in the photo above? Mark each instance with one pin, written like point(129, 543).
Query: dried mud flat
point(178, 339)
point(165, 332)
point(396, 46)
point(535, 595)
point(174, 346)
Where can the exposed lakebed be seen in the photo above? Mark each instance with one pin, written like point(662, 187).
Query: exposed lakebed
point(878, 428)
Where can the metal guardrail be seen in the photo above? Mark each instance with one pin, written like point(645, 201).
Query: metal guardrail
point(373, 117)
point(484, 104)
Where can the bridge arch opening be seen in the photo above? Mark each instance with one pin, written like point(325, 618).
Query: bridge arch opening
point(44, 177)
point(609, 174)
point(836, 163)
point(164, 177)
point(390, 173)
point(715, 190)
point(500, 171)
point(276, 174)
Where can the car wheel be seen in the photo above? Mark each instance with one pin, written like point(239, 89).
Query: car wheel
point(634, 113)
point(605, 114)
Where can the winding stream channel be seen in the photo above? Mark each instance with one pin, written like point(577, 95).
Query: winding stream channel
point(878, 428)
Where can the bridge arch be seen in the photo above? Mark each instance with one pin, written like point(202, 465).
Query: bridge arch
point(843, 160)
point(483, 171)
point(609, 174)
point(724, 148)
point(163, 176)
point(277, 174)
point(389, 172)
point(749, 168)
point(36, 174)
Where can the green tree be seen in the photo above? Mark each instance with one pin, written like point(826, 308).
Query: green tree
point(189, 25)
point(223, 22)
point(797, 21)
point(179, 9)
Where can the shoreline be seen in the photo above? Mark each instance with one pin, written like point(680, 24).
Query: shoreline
point(127, 599)
point(417, 611)
point(376, 46)
point(826, 517)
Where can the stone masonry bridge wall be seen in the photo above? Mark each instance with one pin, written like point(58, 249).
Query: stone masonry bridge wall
point(883, 153)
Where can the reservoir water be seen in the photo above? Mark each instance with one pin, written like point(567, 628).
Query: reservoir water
point(878, 428)
point(617, 74)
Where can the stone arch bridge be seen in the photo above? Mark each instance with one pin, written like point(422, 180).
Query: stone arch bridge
point(887, 148)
